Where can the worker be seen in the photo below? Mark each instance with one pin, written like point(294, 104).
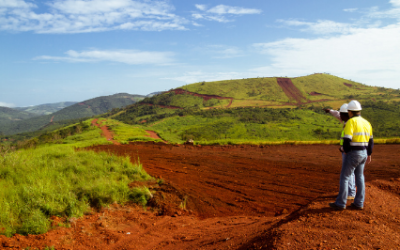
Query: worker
point(358, 143)
point(343, 116)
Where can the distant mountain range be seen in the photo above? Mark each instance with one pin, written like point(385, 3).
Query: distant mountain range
point(14, 121)
point(46, 109)
point(10, 114)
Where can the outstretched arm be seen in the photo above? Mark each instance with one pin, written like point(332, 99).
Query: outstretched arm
point(333, 113)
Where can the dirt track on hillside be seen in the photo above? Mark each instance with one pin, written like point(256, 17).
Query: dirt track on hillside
point(291, 91)
point(242, 197)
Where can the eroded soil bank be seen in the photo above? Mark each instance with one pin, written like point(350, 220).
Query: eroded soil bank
point(241, 197)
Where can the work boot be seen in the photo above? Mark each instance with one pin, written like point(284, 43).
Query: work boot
point(353, 206)
point(336, 207)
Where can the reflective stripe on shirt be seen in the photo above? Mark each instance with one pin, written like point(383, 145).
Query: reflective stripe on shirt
point(362, 133)
point(359, 144)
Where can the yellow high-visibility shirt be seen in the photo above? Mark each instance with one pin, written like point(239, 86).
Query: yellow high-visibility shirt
point(358, 130)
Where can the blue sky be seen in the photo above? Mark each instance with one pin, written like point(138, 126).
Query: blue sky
point(72, 50)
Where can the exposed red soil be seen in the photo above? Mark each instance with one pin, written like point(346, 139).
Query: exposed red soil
point(230, 103)
point(348, 84)
point(315, 93)
point(153, 135)
point(241, 197)
point(106, 132)
point(290, 90)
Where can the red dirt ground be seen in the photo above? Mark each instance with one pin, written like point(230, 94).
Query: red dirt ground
point(240, 197)
point(153, 134)
point(290, 90)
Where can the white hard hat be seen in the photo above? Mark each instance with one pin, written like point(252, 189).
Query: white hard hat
point(354, 106)
point(343, 108)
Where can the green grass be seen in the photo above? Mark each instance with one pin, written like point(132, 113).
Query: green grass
point(251, 125)
point(58, 180)
point(125, 133)
point(266, 89)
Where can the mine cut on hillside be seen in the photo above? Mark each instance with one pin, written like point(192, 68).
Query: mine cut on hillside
point(291, 91)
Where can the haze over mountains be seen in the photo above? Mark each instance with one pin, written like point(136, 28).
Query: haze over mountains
point(46, 109)
point(28, 119)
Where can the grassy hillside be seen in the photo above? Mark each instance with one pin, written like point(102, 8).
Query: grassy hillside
point(55, 179)
point(83, 109)
point(46, 109)
point(262, 109)
point(266, 89)
point(325, 89)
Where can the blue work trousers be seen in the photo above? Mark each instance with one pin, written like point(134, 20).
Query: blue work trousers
point(352, 180)
point(354, 162)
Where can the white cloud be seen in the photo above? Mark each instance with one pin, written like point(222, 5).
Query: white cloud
point(391, 13)
point(395, 3)
point(5, 104)
point(219, 12)
point(201, 6)
point(78, 16)
point(368, 55)
point(321, 26)
point(351, 10)
point(15, 4)
point(224, 9)
point(121, 56)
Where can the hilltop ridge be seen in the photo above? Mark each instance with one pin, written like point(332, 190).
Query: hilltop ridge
point(261, 109)
point(87, 108)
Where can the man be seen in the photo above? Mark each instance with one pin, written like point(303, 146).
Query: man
point(343, 116)
point(358, 143)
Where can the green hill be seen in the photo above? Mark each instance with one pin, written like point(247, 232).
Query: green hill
point(11, 114)
point(46, 109)
point(262, 109)
point(64, 116)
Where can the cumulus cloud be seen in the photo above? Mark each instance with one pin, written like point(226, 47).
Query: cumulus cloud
point(365, 50)
point(370, 55)
point(78, 16)
point(120, 56)
point(222, 13)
